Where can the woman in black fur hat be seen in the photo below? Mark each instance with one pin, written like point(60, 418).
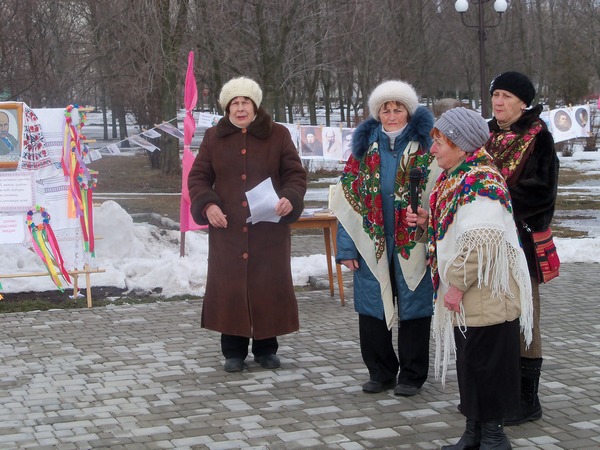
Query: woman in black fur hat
point(523, 149)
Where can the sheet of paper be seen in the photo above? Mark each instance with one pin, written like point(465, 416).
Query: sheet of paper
point(262, 200)
point(151, 133)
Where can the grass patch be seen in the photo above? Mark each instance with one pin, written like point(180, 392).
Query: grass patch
point(574, 202)
point(132, 174)
point(21, 302)
point(322, 173)
point(563, 232)
point(320, 185)
point(45, 301)
point(568, 176)
point(8, 305)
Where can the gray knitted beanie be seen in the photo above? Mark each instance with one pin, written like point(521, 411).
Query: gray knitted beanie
point(466, 128)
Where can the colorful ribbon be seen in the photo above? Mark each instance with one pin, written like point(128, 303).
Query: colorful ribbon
point(81, 180)
point(46, 246)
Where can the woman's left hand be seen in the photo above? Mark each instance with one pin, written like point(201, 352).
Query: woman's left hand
point(453, 298)
point(283, 207)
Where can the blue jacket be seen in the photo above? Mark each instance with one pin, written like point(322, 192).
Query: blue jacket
point(412, 304)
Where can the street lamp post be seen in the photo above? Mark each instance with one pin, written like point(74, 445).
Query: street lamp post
point(500, 7)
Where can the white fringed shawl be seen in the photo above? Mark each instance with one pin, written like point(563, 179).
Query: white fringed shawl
point(485, 226)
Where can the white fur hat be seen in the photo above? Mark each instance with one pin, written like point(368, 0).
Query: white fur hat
point(393, 91)
point(240, 87)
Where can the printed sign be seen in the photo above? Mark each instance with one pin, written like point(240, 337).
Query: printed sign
point(16, 191)
point(12, 229)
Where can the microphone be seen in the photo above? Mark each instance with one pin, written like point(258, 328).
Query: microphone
point(415, 181)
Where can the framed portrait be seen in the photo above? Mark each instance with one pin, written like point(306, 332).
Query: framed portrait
point(11, 134)
point(331, 138)
point(346, 143)
point(311, 144)
point(562, 120)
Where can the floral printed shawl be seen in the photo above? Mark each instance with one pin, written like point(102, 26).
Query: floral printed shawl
point(357, 201)
point(475, 176)
point(510, 150)
point(361, 185)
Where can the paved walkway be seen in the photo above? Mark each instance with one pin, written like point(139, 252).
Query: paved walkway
point(148, 377)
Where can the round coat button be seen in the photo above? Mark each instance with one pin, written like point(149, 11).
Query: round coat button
point(243, 151)
point(244, 203)
point(245, 255)
point(244, 177)
point(244, 229)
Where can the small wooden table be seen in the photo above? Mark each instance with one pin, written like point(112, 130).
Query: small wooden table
point(328, 223)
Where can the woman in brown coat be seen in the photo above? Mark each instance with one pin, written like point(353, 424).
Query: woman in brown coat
point(249, 290)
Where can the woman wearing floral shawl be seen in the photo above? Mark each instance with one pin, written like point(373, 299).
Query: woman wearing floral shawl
point(523, 150)
point(374, 241)
point(480, 278)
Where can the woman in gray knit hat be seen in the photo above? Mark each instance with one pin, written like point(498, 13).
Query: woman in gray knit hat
point(480, 278)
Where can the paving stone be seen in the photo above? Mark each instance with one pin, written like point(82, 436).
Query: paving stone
point(147, 376)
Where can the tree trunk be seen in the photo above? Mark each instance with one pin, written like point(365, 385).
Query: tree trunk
point(172, 33)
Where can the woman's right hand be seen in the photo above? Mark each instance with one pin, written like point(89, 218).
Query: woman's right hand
point(216, 217)
point(452, 298)
point(351, 264)
point(421, 218)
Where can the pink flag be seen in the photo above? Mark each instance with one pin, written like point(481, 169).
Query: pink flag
point(190, 97)
point(186, 222)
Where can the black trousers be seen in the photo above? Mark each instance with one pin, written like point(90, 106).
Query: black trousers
point(237, 346)
point(378, 352)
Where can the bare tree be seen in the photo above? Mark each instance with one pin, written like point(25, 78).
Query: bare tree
point(129, 56)
point(140, 64)
point(40, 53)
point(588, 34)
point(173, 27)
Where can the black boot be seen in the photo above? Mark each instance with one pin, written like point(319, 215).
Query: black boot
point(470, 438)
point(531, 409)
point(493, 437)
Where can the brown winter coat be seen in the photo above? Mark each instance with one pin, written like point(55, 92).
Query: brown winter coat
point(249, 289)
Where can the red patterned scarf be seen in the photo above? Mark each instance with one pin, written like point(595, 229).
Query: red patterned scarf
point(510, 150)
point(362, 190)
